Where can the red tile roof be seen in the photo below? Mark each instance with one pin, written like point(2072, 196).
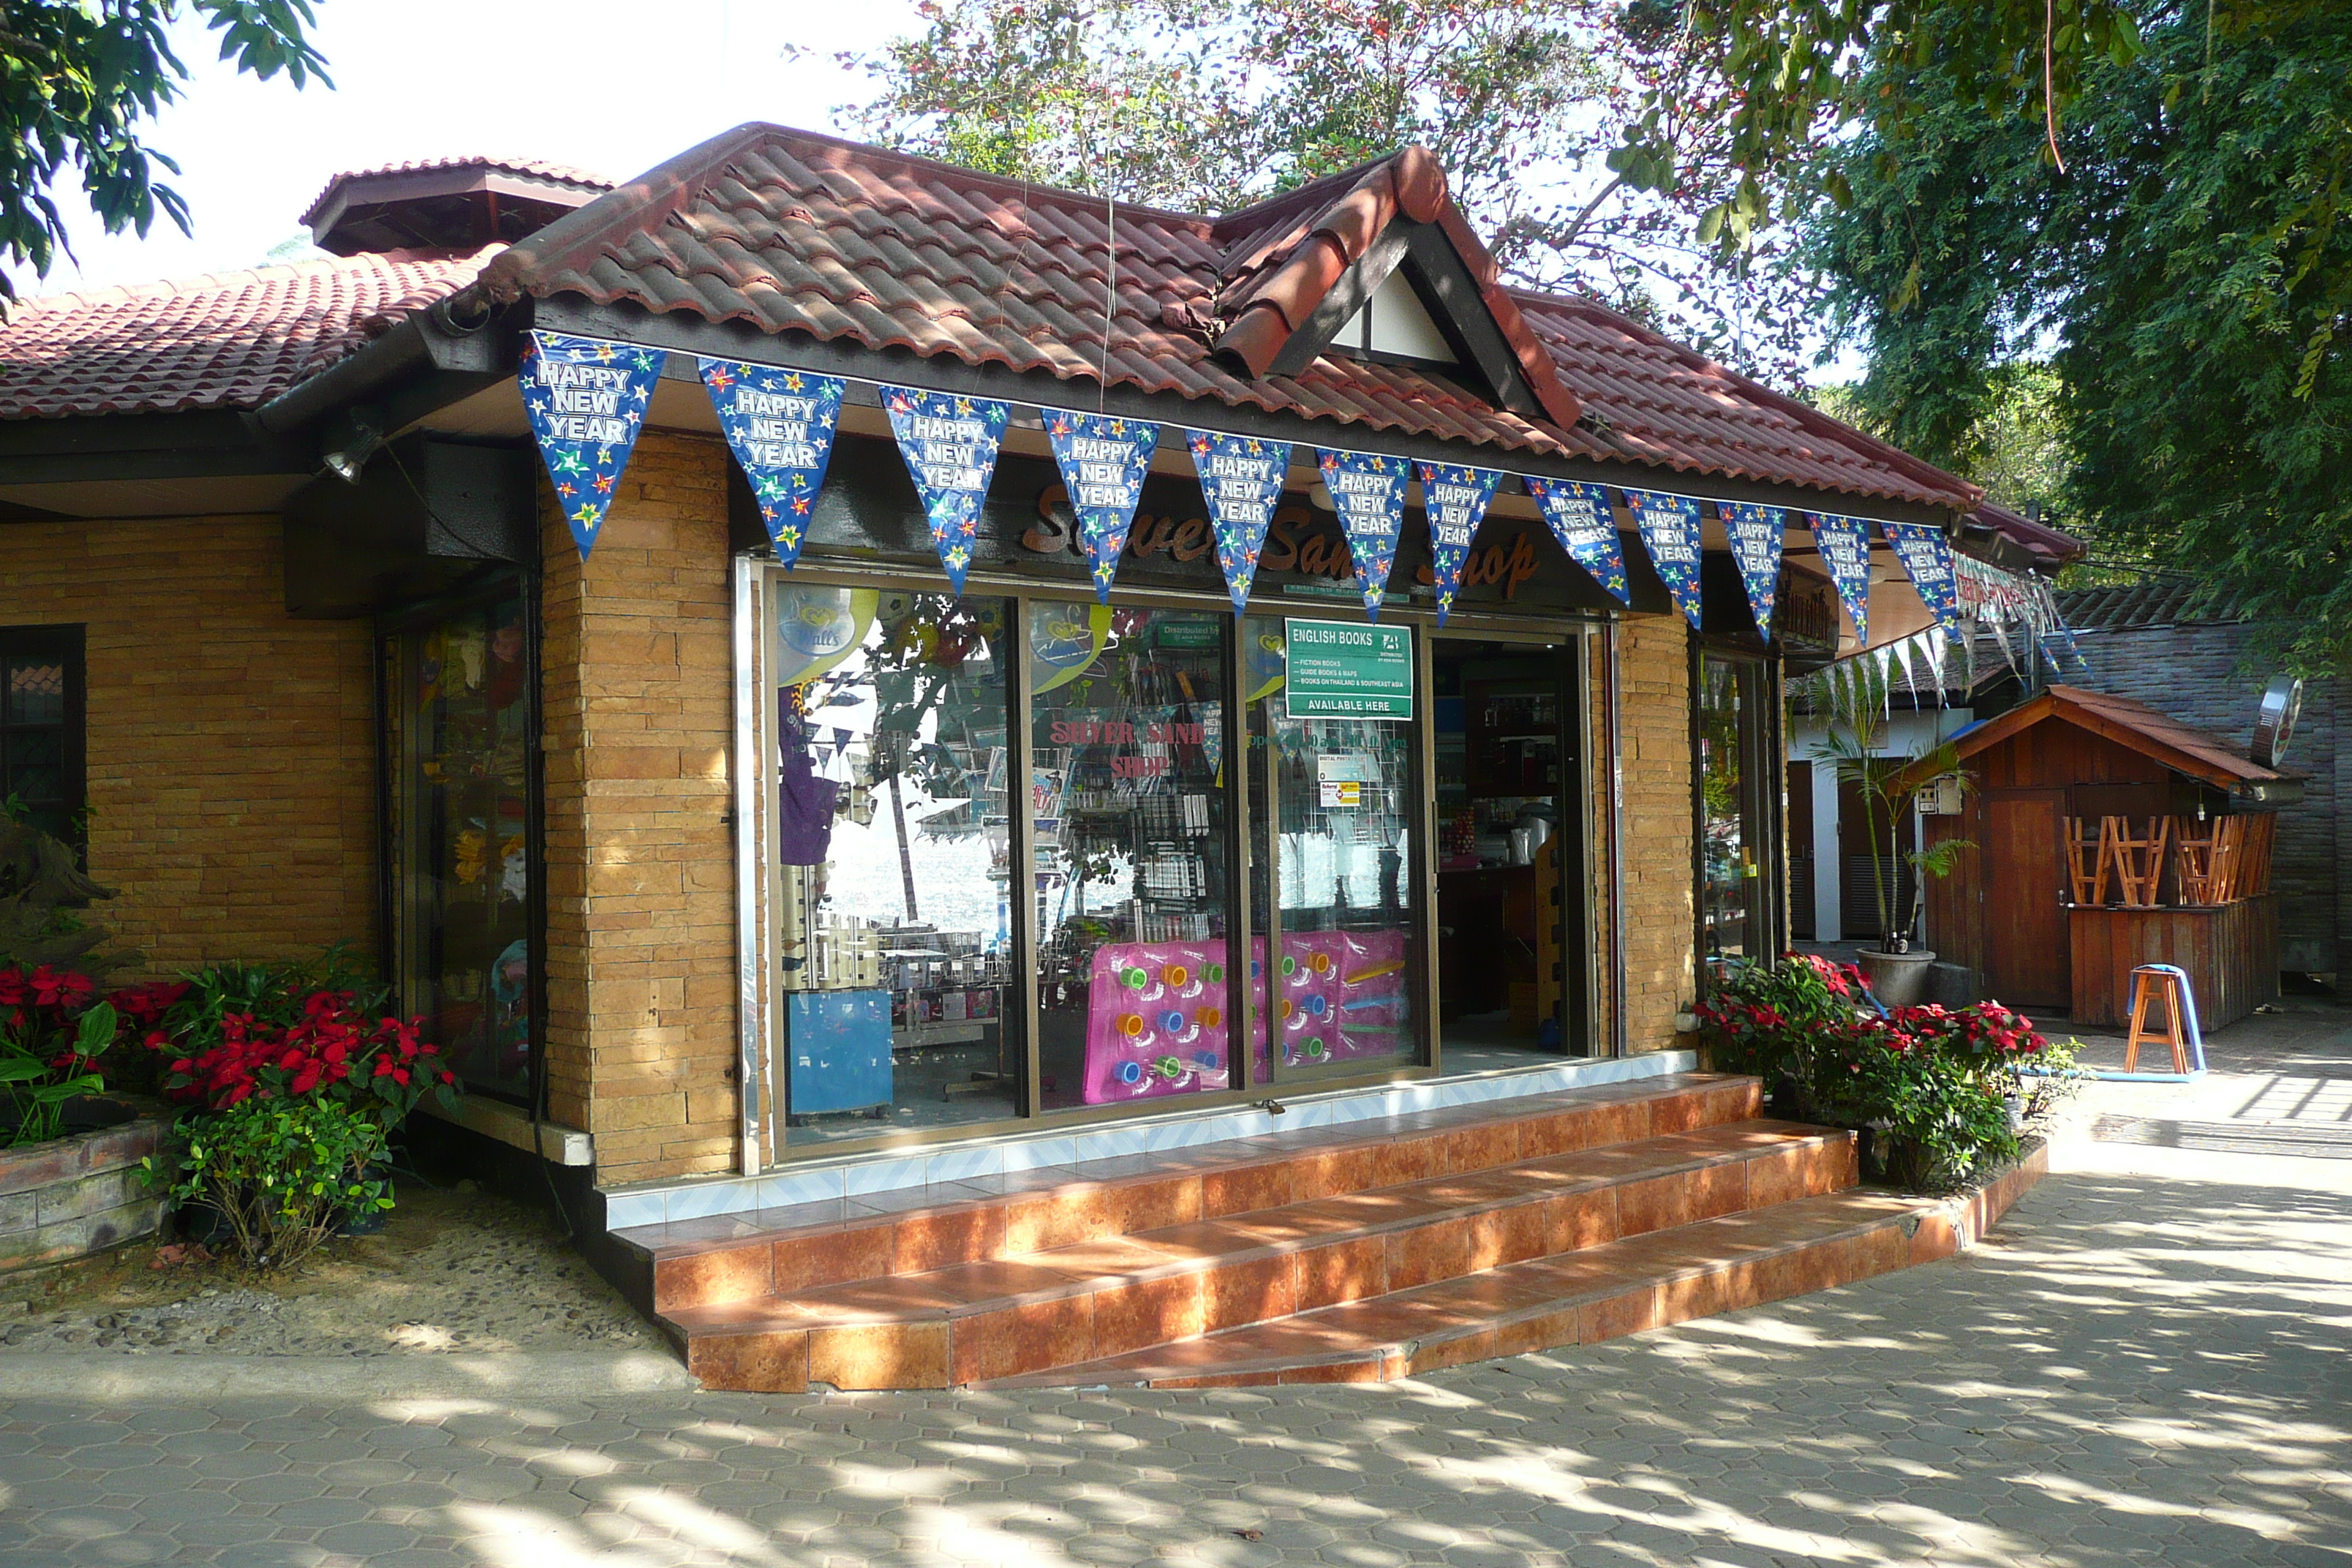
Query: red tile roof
point(228, 340)
point(794, 233)
point(530, 168)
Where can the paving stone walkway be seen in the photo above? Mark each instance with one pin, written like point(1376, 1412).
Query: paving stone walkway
point(2148, 1363)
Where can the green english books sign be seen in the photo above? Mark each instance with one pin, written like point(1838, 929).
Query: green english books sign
point(1344, 669)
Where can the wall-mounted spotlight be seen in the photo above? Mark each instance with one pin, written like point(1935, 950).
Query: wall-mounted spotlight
point(350, 441)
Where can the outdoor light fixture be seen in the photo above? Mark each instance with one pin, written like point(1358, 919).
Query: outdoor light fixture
point(350, 441)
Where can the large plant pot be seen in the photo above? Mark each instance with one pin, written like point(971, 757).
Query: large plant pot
point(1898, 979)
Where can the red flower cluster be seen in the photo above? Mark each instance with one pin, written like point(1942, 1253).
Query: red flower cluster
point(330, 1051)
point(45, 997)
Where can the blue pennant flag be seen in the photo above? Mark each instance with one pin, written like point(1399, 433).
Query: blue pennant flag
point(950, 444)
point(586, 401)
point(1454, 499)
point(1367, 493)
point(1845, 544)
point(1926, 556)
point(1103, 461)
point(1669, 526)
point(1755, 535)
point(1582, 520)
point(1242, 479)
point(779, 424)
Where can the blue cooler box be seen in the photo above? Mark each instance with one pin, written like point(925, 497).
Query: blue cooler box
point(839, 1042)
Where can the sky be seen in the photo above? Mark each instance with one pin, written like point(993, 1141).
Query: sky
point(605, 86)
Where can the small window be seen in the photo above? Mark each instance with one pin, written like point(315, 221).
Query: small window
point(41, 720)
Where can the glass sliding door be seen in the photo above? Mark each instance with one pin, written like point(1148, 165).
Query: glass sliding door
point(1339, 967)
point(1127, 756)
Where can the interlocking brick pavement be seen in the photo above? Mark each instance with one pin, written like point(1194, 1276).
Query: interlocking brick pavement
point(2146, 1364)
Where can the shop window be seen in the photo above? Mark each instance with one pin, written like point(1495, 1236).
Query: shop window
point(893, 850)
point(461, 825)
point(41, 728)
point(1332, 801)
point(1127, 758)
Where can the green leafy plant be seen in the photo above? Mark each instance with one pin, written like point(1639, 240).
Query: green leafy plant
point(1855, 739)
point(1930, 1081)
point(50, 1039)
point(282, 1173)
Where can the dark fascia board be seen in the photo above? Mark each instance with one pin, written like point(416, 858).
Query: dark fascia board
point(199, 444)
point(419, 366)
point(684, 332)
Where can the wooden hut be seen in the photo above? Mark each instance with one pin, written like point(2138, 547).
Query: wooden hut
point(2107, 836)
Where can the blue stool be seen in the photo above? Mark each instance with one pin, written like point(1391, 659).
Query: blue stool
point(2169, 982)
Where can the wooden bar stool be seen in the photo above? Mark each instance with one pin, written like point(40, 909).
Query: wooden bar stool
point(2170, 983)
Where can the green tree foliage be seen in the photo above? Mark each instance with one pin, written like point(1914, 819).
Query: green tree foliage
point(1206, 105)
point(2189, 275)
point(76, 80)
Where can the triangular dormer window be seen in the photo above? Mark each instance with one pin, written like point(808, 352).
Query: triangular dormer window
point(1394, 324)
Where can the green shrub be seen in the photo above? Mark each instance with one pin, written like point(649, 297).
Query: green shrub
point(282, 1173)
point(51, 1033)
point(1931, 1081)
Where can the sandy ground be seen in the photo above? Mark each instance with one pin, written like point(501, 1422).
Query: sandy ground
point(455, 1270)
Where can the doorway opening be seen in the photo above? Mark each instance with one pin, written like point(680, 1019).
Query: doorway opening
point(1514, 939)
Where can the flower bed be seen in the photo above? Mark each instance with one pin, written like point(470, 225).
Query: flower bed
point(1936, 1091)
point(289, 1079)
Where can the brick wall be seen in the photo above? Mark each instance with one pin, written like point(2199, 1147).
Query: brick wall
point(1661, 916)
point(1654, 675)
point(640, 861)
point(231, 748)
point(2196, 675)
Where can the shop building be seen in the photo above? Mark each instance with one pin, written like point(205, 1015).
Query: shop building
point(733, 887)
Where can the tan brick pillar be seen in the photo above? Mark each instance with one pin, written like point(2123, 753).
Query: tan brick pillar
point(637, 662)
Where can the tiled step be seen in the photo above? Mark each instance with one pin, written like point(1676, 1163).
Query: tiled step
point(1053, 1306)
point(695, 1263)
point(1644, 1282)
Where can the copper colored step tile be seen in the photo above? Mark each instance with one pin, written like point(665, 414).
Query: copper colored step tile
point(1245, 1189)
point(1511, 1235)
point(1346, 1271)
point(733, 1275)
point(1479, 1148)
point(1149, 1313)
point(752, 1362)
point(1030, 1337)
point(1575, 1220)
point(1629, 1312)
point(1058, 1219)
point(999, 1281)
point(921, 1242)
point(1250, 1293)
point(1439, 1249)
point(1538, 1331)
point(832, 1257)
point(880, 1355)
point(1453, 1350)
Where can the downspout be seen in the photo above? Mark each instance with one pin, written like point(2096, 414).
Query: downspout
point(1617, 1035)
point(750, 971)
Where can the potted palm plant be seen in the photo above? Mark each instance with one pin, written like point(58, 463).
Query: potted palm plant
point(1889, 784)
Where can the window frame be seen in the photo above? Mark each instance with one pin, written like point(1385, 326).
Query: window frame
point(69, 644)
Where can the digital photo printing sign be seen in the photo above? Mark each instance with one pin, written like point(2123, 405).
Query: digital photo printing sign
point(1338, 669)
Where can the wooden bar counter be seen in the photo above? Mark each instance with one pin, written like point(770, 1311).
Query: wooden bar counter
point(2229, 950)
